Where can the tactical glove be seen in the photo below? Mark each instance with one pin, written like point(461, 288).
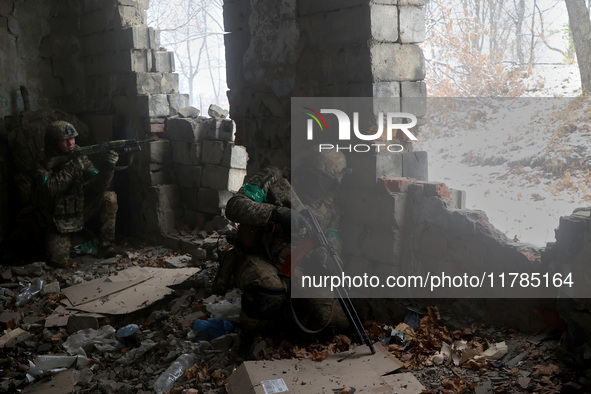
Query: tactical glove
point(289, 220)
point(111, 158)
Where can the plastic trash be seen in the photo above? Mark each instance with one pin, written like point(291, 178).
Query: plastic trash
point(57, 362)
point(165, 382)
point(89, 247)
point(211, 328)
point(396, 337)
point(128, 330)
point(89, 338)
point(129, 335)
point(29, 291)
point(225, 309)
point(138, 353)
point(48, 362)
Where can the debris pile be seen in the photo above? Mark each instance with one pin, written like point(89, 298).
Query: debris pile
point(146, 321)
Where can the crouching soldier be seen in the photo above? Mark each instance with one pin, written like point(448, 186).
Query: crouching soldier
point(70, 191)
point(267, 218)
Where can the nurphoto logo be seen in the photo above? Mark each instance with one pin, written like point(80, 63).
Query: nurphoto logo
point(386, 124)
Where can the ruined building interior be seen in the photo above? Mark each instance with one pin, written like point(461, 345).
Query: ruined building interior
point(98, 65)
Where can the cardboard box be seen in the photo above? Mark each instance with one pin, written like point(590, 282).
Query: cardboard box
point(357, 369)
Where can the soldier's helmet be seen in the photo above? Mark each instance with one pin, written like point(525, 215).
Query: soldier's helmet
point(61, 130)
point(330, 163)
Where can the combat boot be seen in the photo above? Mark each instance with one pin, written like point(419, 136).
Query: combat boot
point(107, 249)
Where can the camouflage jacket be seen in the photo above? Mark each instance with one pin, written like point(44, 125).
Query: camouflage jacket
point(61, 191)
point(257, 231)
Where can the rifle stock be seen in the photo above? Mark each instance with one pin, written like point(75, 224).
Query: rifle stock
point(335, 269)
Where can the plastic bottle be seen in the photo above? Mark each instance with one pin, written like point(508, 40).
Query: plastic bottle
point(165, 382)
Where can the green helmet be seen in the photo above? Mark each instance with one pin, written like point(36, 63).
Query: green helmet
point(61, 130)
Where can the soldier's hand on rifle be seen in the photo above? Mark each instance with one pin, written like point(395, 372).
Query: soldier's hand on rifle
point(290, 220)
point(111, 158)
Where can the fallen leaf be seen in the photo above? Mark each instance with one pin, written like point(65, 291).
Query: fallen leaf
point(319, 355)
point(546, 369)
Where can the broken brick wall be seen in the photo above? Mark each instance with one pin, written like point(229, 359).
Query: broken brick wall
point(409, 227)
point(305, 48)
point(572, 250)
point(187, 176)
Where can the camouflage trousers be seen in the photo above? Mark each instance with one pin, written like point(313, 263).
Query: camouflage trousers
point(266, 301)
point(102, 207)
point(264, 292)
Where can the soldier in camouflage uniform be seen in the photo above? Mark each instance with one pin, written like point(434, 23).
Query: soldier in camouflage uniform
point(70, 191)
point(266, 212)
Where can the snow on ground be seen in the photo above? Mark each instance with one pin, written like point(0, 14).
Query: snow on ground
point(556, 80)
point(522, 161)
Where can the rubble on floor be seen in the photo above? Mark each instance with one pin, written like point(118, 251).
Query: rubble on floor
point(91, 329)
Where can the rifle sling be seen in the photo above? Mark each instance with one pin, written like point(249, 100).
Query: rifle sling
point(298, 254)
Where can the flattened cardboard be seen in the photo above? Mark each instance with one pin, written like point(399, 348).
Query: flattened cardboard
point(102, 287)
point(404, 383)
point(61, 314)
point(60, 383)
point(130, 290)
point(357, 369)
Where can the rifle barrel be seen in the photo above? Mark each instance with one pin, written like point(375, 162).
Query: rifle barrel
point(342, 293)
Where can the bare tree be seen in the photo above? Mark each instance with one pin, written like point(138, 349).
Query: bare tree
point(580, 26)
point(193, 30)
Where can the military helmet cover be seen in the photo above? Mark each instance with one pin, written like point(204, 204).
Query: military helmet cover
point(331, 163)
point(61, 130)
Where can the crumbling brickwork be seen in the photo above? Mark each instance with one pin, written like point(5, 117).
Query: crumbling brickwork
point(189, 174)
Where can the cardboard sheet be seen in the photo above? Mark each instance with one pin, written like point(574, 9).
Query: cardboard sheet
point(130, 290)
point(60, 383)
point(357, 369)
point(102, 287)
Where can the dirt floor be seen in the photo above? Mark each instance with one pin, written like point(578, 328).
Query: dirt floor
point(447, 353)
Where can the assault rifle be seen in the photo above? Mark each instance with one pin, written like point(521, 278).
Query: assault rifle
point(119, 146)
point(335, 268)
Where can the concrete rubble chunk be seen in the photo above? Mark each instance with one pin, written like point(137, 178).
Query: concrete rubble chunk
point(217, 112)
point(178, 261)
point(34, 269)
point(12, 338)
point(188, 112)
point(51, 288)
point(10, 319)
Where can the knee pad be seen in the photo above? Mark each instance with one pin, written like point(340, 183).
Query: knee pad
point(110, 202)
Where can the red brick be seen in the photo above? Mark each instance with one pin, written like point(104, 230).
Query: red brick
point(157, 128)
point(396, 185)
point(436, 189)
